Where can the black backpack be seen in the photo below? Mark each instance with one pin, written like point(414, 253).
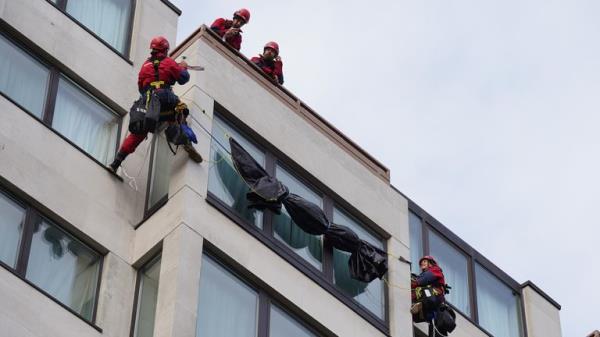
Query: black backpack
point(145, 112)
point(144, 117)
point(445, 320)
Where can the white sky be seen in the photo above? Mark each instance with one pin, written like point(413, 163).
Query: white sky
point(486, 113)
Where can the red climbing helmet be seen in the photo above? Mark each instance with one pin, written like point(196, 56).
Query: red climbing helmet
point(159, 43)
point(244, 14)
point(273, 45)
point(428, 258)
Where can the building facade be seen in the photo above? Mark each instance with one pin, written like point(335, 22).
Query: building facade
point(169, 247)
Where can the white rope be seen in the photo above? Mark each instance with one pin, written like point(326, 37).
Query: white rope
point(436, 331)
point(132, 182)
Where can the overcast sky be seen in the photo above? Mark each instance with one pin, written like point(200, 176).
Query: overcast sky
point(486, 113)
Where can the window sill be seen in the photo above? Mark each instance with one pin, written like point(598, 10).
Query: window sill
point(303, 266)
point(468, 318)
point(113, 49)
point(149, 213)
point(9, 269)
point(63, 137)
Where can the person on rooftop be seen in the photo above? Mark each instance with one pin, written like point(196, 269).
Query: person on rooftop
point(270, 62)
point(230, 30)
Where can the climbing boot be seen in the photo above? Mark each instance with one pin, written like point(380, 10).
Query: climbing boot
point(117, 162)
point(416, 308)
point(194, 155)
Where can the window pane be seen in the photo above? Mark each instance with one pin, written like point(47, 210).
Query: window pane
point(416, 241)
point(369, 295)
point(148, 292)
point(109, 19)
point(282, 325)
point(64, 268)
point(85, 121)
point(161, 170)
point(227, 306)
point(23, 79)
point(11, 227)
point(454, 266)
point(223, 180)
point(310, 247)
point(497, 305)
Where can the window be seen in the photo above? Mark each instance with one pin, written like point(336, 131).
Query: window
point(309, 253)
point(310, 247)
point(497, 305)
point(63, 267)
point(368, 294)
point(223, 180)
point(23, 79)
point(147, 296)
point(283, 325)
point(228, 306)
point(456, 273)
point(85, 121)
point(492, 300)
point(50, 258)
point(12, 216)
point(108, 19)
point(416, 241)
point(160, 172)
point(71, 111)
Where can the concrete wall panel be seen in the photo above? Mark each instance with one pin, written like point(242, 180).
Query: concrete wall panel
point(543, 318)
point(24, 311)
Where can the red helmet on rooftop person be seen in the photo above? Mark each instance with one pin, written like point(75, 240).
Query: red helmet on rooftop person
point(243, 13)
point(273, 45)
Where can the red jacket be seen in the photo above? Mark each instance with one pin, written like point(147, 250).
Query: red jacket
point(221, 26)
point(434, 277)
point(272, 68)
point(168, 71)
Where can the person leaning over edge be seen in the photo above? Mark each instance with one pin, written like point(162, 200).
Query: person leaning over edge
point(230, 30)
point(270, 62)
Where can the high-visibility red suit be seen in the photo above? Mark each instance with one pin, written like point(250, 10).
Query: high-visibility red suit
point(169, 73)
point(270, 62)
point(230, 30)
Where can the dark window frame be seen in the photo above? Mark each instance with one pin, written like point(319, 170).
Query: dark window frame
point(429, 223)
point(323, 278)
point(149, 210)
point(266, 295)
point(55, 71)
point(32, 216)
point(61, 5)
point(468, 259)
point(136, 298)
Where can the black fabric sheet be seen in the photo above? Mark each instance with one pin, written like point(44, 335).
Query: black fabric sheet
point(268, 193)
point(342, 238)
point(265, 191)
point(307, 215)
point(367, 262)
point(248, 168)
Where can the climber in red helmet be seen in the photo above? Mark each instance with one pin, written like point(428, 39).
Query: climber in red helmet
point(270, 62)
point(230, 30)
point(158, 73)
point(428, 289)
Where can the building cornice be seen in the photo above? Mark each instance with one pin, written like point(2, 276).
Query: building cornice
point(301, 108)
